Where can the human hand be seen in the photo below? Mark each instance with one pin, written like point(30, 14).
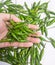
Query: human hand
point(3, 31)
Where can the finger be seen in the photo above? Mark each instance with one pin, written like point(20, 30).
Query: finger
point(16, 44)
point(3, 45)
point(8, 16)
point(25, 44)
point(33, 27)
point(38, 34)
point(33, 40)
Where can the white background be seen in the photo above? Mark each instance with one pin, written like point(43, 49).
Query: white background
point(49, 56)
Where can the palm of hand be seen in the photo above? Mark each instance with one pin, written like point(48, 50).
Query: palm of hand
point(3, 29)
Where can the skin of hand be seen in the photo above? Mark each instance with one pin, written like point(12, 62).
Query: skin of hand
point(3, 31)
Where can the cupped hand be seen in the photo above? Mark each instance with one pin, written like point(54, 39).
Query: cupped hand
point(3, 31)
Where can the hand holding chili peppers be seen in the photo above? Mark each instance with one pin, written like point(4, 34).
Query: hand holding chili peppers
point(3, 31)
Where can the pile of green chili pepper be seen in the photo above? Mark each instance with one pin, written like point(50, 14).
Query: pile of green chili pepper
point(20, 31)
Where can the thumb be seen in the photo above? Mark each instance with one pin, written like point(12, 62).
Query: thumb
point(7, 17)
